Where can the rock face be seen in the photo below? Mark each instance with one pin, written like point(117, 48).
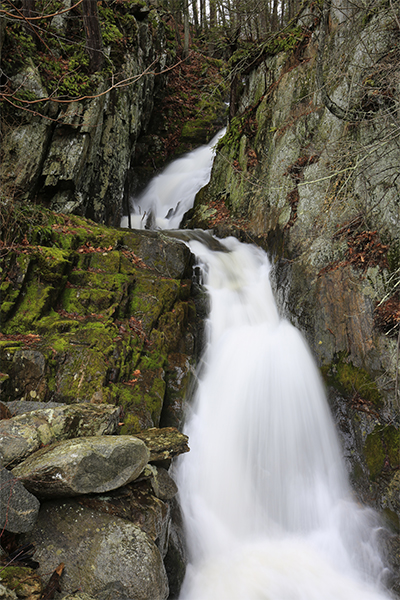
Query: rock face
point(106, 556)
point(320, 192)
point(77, 159)
point(89, 465)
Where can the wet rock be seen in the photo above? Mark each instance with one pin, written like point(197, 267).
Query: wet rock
point(24, 434)
point(176, 559)
point(104, 556)
point(164, 443)
point(169, 257)
point(83, 466)
point(18, 508)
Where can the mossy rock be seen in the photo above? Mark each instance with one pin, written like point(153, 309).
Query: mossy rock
point(102, 308)
point(350, 380)
point(23, 581)
point(381, 450)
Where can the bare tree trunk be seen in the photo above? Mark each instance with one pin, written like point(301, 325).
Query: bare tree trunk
point(28, 10)
point(94, 43)
point(213, 23)
point(274, 18)
point(186, 29)
point(195, 16)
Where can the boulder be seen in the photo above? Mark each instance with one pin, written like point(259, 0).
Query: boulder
point(20, 407)
point(136, 503)
point(24, 434)
point(104, 556)
point(164, 443)
point(83, 466)
point(18, 508)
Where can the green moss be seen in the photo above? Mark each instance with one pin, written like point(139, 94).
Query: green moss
point(20, 579)
point(131, 425)
point(35, 303)
point(106, 261)
point(151, 297)
point(52, 263)
point(381, 449)
point(87, 301)
point(351, 380)
point(374, 454)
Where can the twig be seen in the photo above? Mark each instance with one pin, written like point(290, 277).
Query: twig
point(54, 581)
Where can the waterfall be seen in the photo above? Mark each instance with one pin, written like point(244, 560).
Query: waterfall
point(267, 506)
point(170, 194)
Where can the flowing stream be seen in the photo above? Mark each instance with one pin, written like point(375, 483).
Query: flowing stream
point(268, 510)
point(170, 194)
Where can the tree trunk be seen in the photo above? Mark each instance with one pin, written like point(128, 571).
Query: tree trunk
point(94, 43)
point(274, 19)
point(186, 29)
point(195, 16)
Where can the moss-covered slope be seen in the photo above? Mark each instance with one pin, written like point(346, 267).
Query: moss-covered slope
point(92, 314)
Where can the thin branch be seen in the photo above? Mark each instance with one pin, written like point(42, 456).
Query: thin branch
point(23, 18)
point(121, 84)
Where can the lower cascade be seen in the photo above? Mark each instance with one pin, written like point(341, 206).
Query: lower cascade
point(267, 505)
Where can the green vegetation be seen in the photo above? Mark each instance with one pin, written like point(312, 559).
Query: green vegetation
point(351, 380)
point(50, 55)
point(87, 313)
point(381, 449)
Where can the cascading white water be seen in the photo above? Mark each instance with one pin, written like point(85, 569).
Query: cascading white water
point(169, 195)
point(267, 506)
point(264, 493)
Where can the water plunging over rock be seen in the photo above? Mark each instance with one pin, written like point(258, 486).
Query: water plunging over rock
point(171, 194)
point(267, 506)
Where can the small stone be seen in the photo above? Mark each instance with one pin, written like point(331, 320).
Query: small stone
point(164, 443)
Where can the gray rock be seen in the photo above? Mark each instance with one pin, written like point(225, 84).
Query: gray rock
point(20, 407)
point(18, 508)
point(136, 503)
point(163, 485)
point(104, 556)
point(6, 594)
point(78, 596)
point(83, 466)
point(164, 443)
point(24, 434)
